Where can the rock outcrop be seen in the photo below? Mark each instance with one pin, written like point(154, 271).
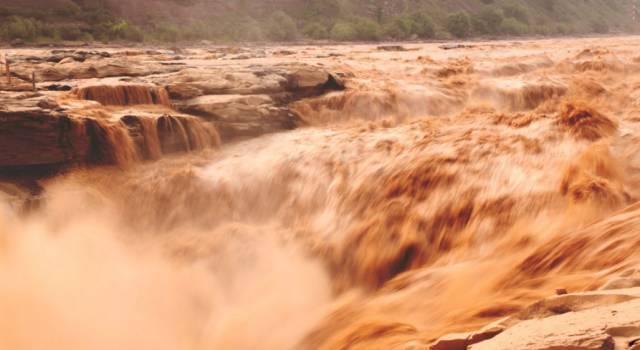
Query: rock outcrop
point(607, 319)
point(241, 115)
point(249, 101)
point(117, 107)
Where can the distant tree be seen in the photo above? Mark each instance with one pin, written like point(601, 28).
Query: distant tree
point(68, 9)
point(250, 30)
point(70, 32)
point(492, 17)
point(281, 27)
point(343, 31)
point(17, 27)
point(315, 31)
point(517, 11)
point(478, 25)
point(422, 25)
point(512, 26)
point(399, 28)
point(129, 32)
point(459, 24)
point(366, 29)
point(323, 9)
point(403, 27)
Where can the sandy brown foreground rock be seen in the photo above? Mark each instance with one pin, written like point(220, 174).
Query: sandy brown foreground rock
point(629, 279)
point(193, 82)
point(91, 68)
point(285, 82)
point(600, 328)
point(241, 115)
point(598, 320)
point(461, 341)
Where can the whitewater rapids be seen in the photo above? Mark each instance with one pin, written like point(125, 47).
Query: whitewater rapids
point(439, 192)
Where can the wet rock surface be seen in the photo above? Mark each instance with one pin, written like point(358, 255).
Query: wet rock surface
point(80, 94)
point(601, 320)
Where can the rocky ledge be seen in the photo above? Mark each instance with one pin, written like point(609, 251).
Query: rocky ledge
point(65, 107)
point(606, 319)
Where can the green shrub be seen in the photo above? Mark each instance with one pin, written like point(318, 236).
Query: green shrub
point(70, 32)
point(417, 24)
point(124, 31)
point(478, 25)
point(281, 27)
point(20, 28)
point(459, 24)
point(315, 31)
point(492, 17)
point(343, 31)
point(422, 25)
point(67, 10)
point(366, 29)
point(322, 9)
point(511, 26)
point(165, 32)
point(563, 29)
point(392, 31)
point(399, 28)
point(86, 37)
point(250, 30)
point(516, 11)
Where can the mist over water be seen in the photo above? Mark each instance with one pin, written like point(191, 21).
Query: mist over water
point(441, 191)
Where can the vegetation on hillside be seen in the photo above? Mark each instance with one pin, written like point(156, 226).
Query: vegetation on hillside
point(289, 20)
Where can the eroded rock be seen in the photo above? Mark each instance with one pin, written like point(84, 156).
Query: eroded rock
point(455, 341)
point(592, 329)
point(36, 137)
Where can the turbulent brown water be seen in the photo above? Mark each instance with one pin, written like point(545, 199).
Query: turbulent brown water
point(441, 191)
point(123, 95)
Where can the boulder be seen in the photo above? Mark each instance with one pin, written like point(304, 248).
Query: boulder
point(455, 341)
point(621, 283)
point(241, 115)
point(460, 341)
point(311, 81)
point(277, 81)
point(599, 328)
point(228, 107)
point(629, 279)
point(194, 82)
